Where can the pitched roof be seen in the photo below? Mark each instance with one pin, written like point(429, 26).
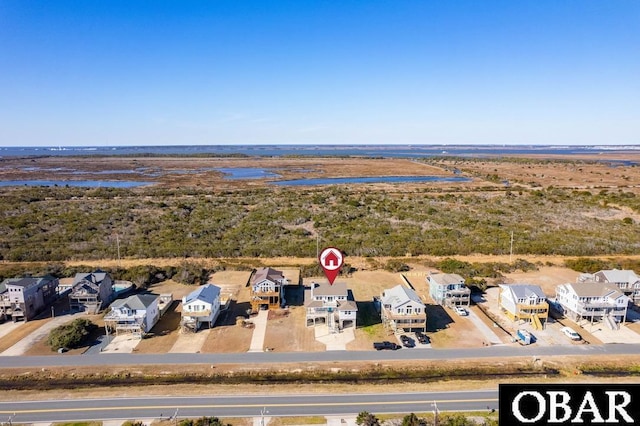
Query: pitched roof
point(136, 302)
point(347, 305)
point(27, 282)
point(524, 291)
point(594, 289)
point(446, 279)
point(399, 295)
point(619, 275)
point(325, 289)
point(92, 277)
point(267, 273)
point(206, 293)
point(22, 282)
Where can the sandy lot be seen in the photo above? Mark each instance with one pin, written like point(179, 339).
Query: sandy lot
point(546, 277)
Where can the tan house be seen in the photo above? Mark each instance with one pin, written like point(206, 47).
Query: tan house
point(402, 310)
point(267, 288)
point(524, 302)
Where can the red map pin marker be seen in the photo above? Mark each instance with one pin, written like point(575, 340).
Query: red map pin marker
point(331, 260)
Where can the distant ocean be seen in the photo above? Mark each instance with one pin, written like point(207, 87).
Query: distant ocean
point(412, 151)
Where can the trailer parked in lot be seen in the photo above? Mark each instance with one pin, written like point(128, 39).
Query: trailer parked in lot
point(525, 337)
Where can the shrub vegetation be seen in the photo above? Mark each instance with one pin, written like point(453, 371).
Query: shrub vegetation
point(70, 335)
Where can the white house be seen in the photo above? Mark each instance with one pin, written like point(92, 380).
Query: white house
point(625, 279)
point(330, 304)
point(136, 314)
point(200, 306)
point(402, 310)
point(524, 302)
point(448, 289)
point(594, 301)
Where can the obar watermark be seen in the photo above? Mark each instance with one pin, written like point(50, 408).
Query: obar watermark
point(554, 404)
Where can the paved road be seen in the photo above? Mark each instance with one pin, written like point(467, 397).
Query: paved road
point(275, 357)
point(244, 406)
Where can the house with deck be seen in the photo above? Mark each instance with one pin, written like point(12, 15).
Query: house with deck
point(330, 304)
point(448, 289)
point(402, 310)
point(267, 289)
point(91, 292)
point(593, 301)
point(136, 314)
point(201, 306)
point(524, 302)
point(22, 299)
point(625, 280)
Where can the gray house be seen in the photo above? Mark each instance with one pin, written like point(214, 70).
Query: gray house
point(448, 289)
point(136, 314)
point(625, 279)
point(91, 292)
point(21, 299)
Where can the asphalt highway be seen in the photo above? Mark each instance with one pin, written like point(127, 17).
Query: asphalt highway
point(328, 356)
point(244, 406)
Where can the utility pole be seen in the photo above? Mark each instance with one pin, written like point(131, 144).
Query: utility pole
point(53, 312)
point(511, 248)
point(435, 413)
point(118, 246)
point(262, 413)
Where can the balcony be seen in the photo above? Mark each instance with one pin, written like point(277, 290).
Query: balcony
point(196, 314)
point(403, 317)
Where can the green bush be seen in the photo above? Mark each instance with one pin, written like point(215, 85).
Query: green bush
point(203, 421)
point(70, 335)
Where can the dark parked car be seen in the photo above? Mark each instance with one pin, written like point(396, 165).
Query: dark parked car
point(421, 337)
point(407, 341)
point(385, 345)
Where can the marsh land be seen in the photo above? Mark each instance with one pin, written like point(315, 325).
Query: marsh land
point(540, 219)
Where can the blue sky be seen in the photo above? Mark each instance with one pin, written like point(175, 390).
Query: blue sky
point(319, 72)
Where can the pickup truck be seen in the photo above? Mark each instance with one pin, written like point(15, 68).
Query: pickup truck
point(385, 345)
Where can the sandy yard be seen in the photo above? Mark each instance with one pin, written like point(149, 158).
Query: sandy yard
point(288, 332)
point(546, 277)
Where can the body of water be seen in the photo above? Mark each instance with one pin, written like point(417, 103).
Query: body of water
point(409, 151)
point(234, 173)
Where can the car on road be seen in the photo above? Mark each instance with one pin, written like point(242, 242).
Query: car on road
point(570, 333)
point(422, 338)
point(385, 345)
point(407, 341)
point(461, 311)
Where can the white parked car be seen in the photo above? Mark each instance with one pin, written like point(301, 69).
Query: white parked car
point(460, 311)
point(570, 333)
